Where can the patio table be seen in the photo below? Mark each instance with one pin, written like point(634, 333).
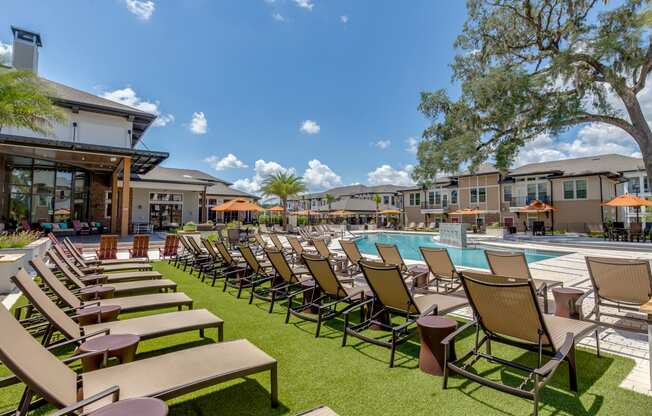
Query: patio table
point(121, 346)
point(98, 314)
point(432, 330)
point(96, 292)
point(647, 309)
point(565, 298)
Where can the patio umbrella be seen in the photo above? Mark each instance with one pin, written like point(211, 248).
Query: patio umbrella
point(237, 205)
point(537, 206)
point(277, 208)
point(468, 211)
point(341, 213)
point(629, 200)
point(390, 212)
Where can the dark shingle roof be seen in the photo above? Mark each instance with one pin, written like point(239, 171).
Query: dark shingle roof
point(352, 190)
point(611, 163)
point(189, 176)
point(223, 189)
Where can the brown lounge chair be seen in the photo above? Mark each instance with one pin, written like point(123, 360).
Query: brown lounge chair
point(126, 304)
point(170, 248)
point(102, 268)
point(151, 326)
point(165, 376)
point(506, 311)
point(284, 279)
point(620, 284)
point(279, 245)
point(298, 249)
point(391, 256)
point(121, 288)
point(78, 257)
point(325, 296)
point(514, 264)
point(441, 268)
point(131, 276)
point(392, 297)
point(323, 250)
point(140, 247)
point(353, 254)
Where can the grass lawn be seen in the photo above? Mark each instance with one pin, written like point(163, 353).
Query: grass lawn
point(356, 379)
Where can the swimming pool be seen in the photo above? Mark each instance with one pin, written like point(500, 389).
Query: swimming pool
point(408, 245)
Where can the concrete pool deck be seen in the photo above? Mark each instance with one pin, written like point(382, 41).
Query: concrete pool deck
point(572, 271)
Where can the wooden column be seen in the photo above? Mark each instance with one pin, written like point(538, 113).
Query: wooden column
point(203, 217)
point(126, 200)
point(114, 200)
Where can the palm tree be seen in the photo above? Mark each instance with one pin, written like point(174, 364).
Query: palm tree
point(25, 102)
point(283, 185)
point(376, 198)
point(329, 199)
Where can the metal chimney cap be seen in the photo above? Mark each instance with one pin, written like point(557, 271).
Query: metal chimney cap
point(27, 35)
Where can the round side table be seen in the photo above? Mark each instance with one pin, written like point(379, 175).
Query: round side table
point(97, 314)
point(96, 292)
point(432, 330)
point(565, 298)
point(121, 346)
point(143, 406)
point(310, 295)
point(420, 274)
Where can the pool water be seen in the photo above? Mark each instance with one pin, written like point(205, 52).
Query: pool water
point(408, 245)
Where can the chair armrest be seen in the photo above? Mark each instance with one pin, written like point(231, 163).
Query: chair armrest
point(70, 410)
point(559, 356)
point(73, 340)
point(358, 305)
point(299, 292)
point(457, 332)
point(104, 353)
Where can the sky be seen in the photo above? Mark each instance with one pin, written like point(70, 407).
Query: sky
point(328, 89)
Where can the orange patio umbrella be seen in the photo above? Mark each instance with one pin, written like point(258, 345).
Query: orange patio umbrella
point(629, 200)
point(390, 212)
point(537, 206)
point(238, 205)
point(341, 213)
point(305, 212)
point(467, 211)
point(277, 208)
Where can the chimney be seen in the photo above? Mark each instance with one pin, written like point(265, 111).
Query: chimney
point(25, 51)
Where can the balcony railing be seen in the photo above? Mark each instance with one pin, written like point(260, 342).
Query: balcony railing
point(521, 201)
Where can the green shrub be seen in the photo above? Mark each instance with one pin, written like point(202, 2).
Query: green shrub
point(18, 240)
point(190, 226)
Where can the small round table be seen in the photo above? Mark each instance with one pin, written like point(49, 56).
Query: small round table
point(97, 292)
point(310, 295)
point(121, 346)
point(420, 274)
point(565, 298)
point(142, 406)
point(432, 330)
point(97, 314)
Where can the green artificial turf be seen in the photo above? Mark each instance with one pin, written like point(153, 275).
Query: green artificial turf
point(356, 379)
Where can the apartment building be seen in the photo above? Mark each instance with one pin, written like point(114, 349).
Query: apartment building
point(358, 199)
point(575, 188)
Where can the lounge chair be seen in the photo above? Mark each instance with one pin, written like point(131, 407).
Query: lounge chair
point(323, 250)
point(421, 226)
point(279, 245)
point(140, 247)
point(287, 280)
point(298, 248)
point(441, 268)
point(636, 231)
point(327, 294)
point(120, 289)
point(234, 271)
point(61, 262)
point(514, 264)
point(506, 311)
point(77, 256)
point(146, 327)
point(620, 284)
point(392, 297)
point(410, 227)
point(102, 267)
point(170, 248)
point(353, 254)
point(390, 255)
point(260, 241)
point(126, 304)
point(165, 376)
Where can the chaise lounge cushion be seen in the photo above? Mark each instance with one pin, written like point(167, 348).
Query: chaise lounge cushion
point(166, 376)
point(445, 303)
point(151, 301)
point(559, 327)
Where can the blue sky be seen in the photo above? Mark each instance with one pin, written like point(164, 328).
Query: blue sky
point(248, 87)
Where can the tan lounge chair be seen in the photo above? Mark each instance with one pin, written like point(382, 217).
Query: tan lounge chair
point(353, 254)
point(151, 326)
point(126, 304)
point(410, 227)
point(78, 257)
point(291, 279)
point(514, 264)
point(279, 245)
point(102, 278)
point(140, 247)
point(324, 251)
point(165, 376)
point(121, 288)
point(298, 248)
point(392, 297)
point(103, 268)
point(441, 268)
point(621, 285)
point(331, 294)
point(170, 248)
point(390, 255)
point(507, 312)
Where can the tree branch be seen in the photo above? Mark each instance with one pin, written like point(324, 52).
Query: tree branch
point(645, 70)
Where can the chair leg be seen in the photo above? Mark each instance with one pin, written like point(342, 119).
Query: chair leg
point(271, 302)
point(597, 343)
point(393, 350)
point(572, 369)
point(287, 315)
point(318, 324)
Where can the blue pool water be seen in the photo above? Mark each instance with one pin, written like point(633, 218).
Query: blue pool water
point(408, 245)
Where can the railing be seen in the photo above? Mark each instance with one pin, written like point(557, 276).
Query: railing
point(425, 205)
point(521, 201)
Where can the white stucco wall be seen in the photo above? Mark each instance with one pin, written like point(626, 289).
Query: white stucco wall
point(92, 128)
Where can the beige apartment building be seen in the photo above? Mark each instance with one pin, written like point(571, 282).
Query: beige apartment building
point(575, 188)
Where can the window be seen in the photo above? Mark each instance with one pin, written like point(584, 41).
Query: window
point(542, 191)
point(393, 201)
point(646, 186)
point(444, 200)
point(473, 195)
point(431, 198)
point(165, 197)
point(531, 192)
point(507, 193)
point(386, 199)
point(415, 199)
point(107, 204)
point(634, 185)
point(482, 194)
point(437, 198)
point(453, 197)
point(576, 189)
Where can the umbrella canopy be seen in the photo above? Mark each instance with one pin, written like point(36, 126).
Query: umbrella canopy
point(341, 213)
point(537, 206)
point(467, 211)
point(305, 212)
point(239, 205)
point(391, 212)
point(628, 200)
point(275, 209)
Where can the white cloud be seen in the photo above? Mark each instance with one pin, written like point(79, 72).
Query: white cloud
point(229, 161)
point(262, 169)
point(142, 9)
point(278, 17)
point(382, 144)
point(5, 53)
point(127, 96)
point(320, 176)
point(305, 4)
point(344, 19)
point(412, 145)
point(198, 124)
point(309, 127)
point(387, 175)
